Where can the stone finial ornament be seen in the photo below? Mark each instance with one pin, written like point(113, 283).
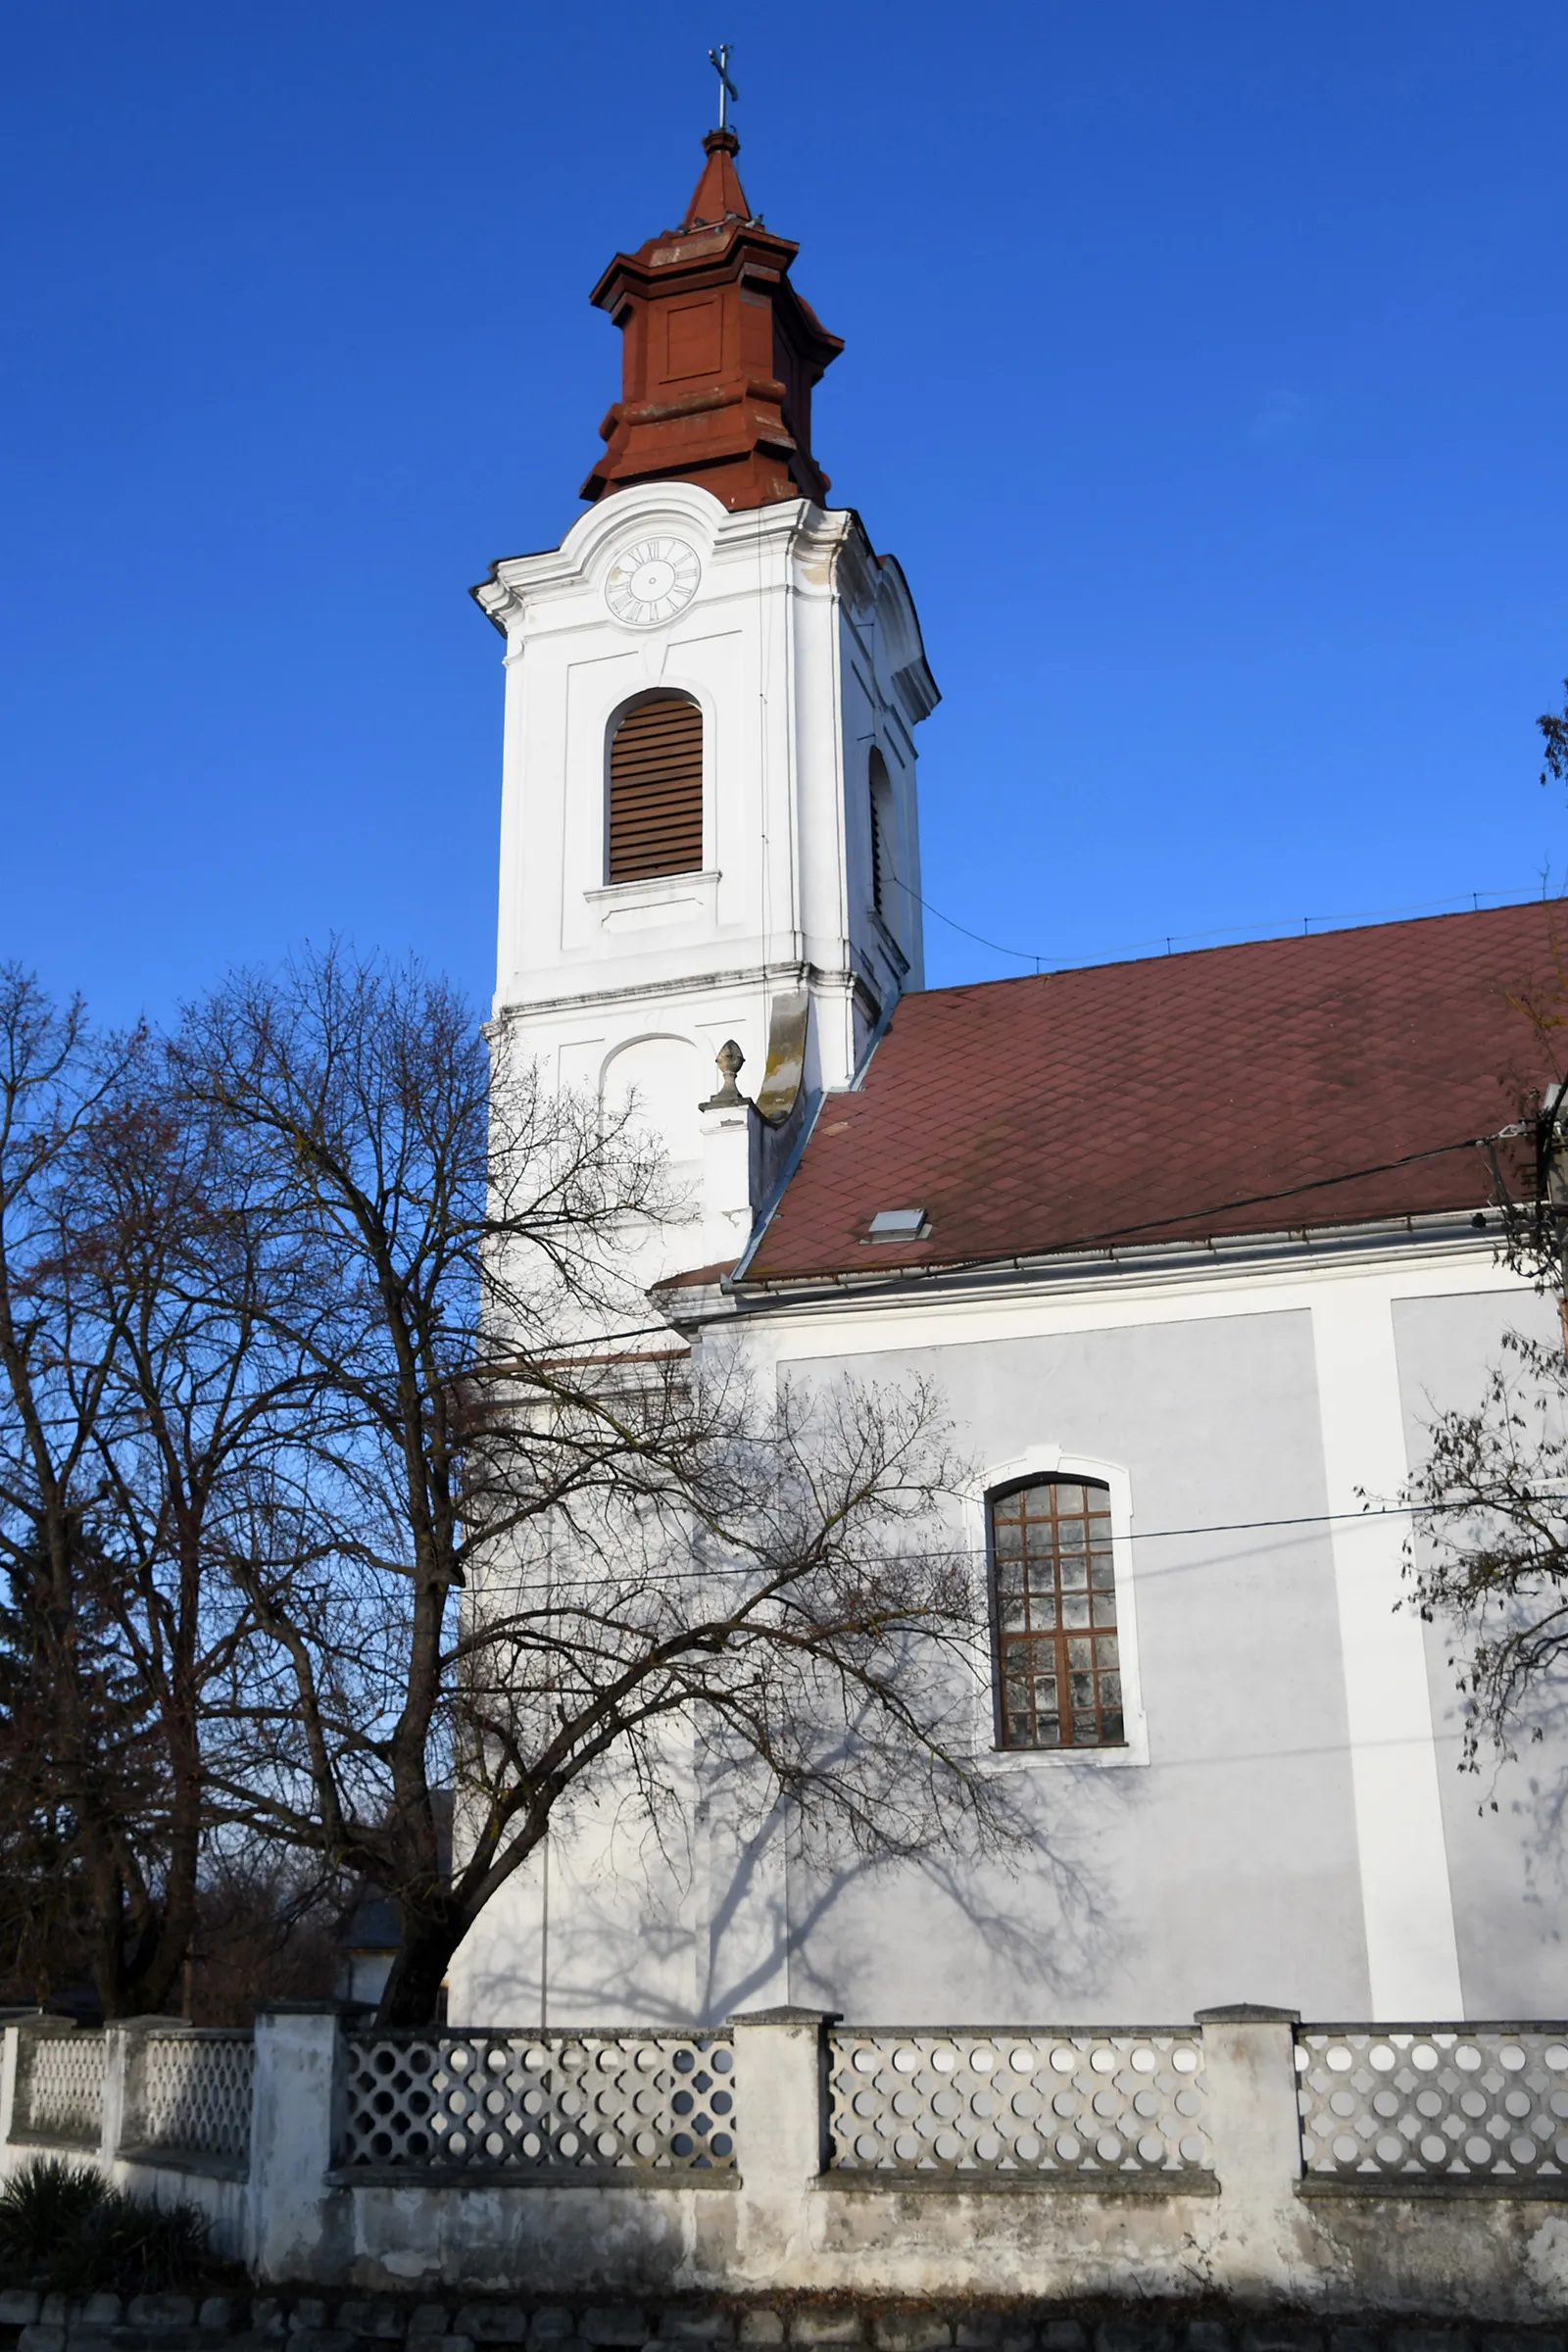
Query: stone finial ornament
point(728, 1060)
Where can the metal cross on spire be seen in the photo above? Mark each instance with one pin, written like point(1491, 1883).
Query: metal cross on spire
point(718, 59)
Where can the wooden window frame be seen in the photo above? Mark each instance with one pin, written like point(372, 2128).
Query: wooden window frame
point(1086, 1662)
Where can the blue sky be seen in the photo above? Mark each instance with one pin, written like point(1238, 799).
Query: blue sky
point(1206, 369)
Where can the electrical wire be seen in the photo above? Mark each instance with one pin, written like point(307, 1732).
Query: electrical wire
point(1261, 930)
point(1290, 1192)
point(673, 1579)
point(1186, 1216)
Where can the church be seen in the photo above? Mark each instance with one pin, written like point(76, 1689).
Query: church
point(1194, 1249)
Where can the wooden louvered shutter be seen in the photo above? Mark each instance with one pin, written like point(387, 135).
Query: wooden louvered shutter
point(881, 796)
point(656, 791)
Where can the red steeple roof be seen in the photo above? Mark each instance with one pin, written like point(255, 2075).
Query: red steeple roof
point(718, 195)
point(719, 357)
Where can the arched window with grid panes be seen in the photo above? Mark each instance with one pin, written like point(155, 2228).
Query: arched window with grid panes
point(656, 790)
point(1053, 1615)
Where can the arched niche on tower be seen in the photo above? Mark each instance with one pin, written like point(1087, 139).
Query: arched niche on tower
point(663, 1080)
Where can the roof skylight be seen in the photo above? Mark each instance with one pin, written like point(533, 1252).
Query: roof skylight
point(897, 1225)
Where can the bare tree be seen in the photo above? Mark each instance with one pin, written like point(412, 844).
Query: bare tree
point(53, 1876)
point(136, 1379)
point(505, 1537)
point(1488, 1550)
point(90, 1782)
point(1553, 726)
point(163, 1257)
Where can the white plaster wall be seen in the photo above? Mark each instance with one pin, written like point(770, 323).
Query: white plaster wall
point(1225, 1869)
point(605, 1925)
point(1298, 1835)
point(1346, 1414)
point(1503, 1825)
point(217, 2197)
point(1406, 1894)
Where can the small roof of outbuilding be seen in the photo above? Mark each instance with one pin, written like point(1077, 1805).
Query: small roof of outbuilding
point(1341, 1079)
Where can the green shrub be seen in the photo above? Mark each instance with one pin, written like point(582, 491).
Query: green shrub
point(65, 2230)
point(43, 2206)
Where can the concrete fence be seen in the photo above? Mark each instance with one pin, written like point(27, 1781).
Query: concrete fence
point(1346, 2168)
point(162, 2107)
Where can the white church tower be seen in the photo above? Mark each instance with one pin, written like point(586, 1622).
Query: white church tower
point(709, 833)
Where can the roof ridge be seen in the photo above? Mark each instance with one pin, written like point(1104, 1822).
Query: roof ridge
point(1350, 1075)
point(1239, 947)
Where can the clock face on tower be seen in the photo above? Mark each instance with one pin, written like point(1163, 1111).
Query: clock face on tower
point(652, 581)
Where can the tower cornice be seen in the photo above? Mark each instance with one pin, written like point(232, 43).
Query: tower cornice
point(518, 583)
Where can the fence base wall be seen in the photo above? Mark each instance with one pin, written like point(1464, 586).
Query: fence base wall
point(1503, 2258)
point(222, 2201)
point(578, 2240)
point(1225, 2220)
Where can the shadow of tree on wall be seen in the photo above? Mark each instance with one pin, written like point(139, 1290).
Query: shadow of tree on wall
point(769, 1917)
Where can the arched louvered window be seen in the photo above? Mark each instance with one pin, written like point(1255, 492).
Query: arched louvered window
point(883, 889)
point(656, 790)
point(1054, 1609)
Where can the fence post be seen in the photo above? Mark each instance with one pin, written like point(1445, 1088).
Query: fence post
point(780, 2135)
point(112, 2113)
point(23, 2036)
point(124, 2064)
point(9, 2056)
point(1254, 2131)
point(19, 2026)
point(297, 2224)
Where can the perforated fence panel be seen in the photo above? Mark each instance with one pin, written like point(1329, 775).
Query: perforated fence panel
point(195, 2093)
point(60, 2094)
point(1438, 2103)
point(929, 2101)
point(583, 2102)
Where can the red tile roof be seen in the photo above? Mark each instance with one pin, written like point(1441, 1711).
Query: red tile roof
point(1240, 1089)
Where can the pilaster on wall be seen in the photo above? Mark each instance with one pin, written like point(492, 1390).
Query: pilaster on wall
point(1406, 1899)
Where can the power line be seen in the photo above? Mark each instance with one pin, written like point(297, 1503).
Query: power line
point(1290, 1192)
point(1385, 1510)
point(1277, 927)
point(1150, 1225)
point(668, 1577)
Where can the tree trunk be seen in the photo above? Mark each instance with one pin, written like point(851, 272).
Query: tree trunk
point(412, 1993)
